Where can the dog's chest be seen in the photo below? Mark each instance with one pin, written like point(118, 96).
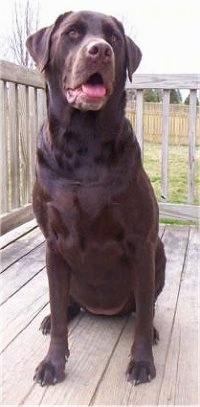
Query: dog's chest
point(85, 226)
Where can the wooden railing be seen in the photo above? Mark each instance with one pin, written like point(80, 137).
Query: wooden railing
point(22, 109)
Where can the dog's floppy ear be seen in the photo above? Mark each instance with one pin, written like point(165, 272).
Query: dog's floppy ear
point(38, 44)
point(134, 57)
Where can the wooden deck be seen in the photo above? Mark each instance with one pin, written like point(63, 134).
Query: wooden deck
point(99, 346)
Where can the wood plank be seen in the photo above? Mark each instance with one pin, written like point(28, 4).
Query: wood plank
point(161, 230)
point(192, 144)
point(18, 74)
point(16, 233)
point(113, 388)
point(41, 108)
point(20, 248)
point(18, 362)
point(139, 118)
point(3, 150)
point(88, 359)
point(17, 376)
point(180, 383)
point(165, 144)
point(18, 368)
point(179, 211)
point(164, 81)
point(32, 133)
point(86, 363)
point(14, 146)
point(16, 217)
point(23, 114)
point(22, 308)
point(21, 272)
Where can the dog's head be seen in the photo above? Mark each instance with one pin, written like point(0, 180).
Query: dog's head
point(87, 54)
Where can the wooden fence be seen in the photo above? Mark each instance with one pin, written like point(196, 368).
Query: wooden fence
point(178, 123)
point(22, 109)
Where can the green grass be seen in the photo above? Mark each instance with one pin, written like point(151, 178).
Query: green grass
point(178, 222)
point(177, 171)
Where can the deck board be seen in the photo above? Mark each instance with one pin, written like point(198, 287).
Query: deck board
point(165, 308)
point(20, 248)
point(21, 272)
point(180, 381)
point(99, 346)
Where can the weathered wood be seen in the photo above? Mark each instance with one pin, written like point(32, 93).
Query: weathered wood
point(22, 272)
point(88, 360)
point(18, 74)
point(27, 89)
point(16, 233)
point(139, 117)
point(3, 150)
point(180, 382)
point(34, 346)
point(41, 108)
point(113, 388)
point(24, 145)
point(96, 368)
point(20, 248)
point(165, 144)
point(179, 211)
point(14, 146)
point(178, 123)
point(32, 133)
point(161, 81)
point(191, 141)
point(15, 218)
point(23, 307)
point(19, 361)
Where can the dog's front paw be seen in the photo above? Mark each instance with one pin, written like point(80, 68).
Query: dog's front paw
point(49, 373)
point(140, 372)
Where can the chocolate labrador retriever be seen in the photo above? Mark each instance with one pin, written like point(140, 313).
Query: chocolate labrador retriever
point(92, 198)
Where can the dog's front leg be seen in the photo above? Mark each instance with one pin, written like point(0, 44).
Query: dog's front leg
point(141, 368)
point(52, 369)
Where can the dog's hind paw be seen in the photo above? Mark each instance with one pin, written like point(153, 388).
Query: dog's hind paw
point(45, 326)
point(156, 336)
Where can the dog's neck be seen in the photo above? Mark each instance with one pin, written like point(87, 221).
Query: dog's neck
point(73, 142)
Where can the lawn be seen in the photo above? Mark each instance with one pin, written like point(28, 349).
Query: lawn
point(177, 171)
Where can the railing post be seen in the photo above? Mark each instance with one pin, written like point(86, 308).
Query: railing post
point(139, 118)
point(191, 141)
point(165, 144)
point(3, 151)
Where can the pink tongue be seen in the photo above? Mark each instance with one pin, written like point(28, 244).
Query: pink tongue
point(95, 91)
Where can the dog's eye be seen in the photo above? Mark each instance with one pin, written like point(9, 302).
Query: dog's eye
point(73, 34)
point(114, 39)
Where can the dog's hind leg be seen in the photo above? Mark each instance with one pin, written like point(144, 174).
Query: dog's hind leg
point(72, 311)
point(159, 280)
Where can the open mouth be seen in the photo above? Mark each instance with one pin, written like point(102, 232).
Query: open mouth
point(94, 88)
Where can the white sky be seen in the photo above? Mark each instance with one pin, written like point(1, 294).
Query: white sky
point(167, 31)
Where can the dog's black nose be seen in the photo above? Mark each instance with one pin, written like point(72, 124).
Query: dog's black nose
point(99, 50)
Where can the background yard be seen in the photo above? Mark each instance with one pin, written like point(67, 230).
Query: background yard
point(178, 156)
point(177, 174)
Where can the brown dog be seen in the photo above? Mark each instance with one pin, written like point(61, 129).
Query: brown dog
point(92, 197)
